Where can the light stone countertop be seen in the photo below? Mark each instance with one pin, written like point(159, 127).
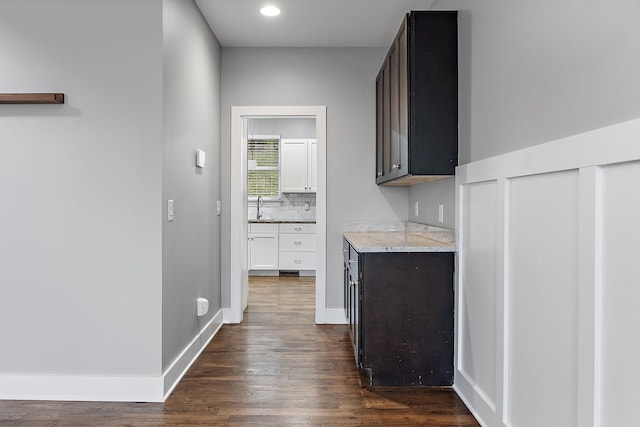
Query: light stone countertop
point(400, 237)
point(282, 221)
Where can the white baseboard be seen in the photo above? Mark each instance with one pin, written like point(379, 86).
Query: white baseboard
point(307, 273)
point(175, 372)
point(266, 273)
point(229, 316)
point(81, 388)
point(108, 388)
point(334, 316)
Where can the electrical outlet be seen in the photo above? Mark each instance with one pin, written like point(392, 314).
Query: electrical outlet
point(170, 210)
point(417, 208)
point(441, 213)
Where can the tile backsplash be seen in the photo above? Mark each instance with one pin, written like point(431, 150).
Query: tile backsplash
point(292, 206)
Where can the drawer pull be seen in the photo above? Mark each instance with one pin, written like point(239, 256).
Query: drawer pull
point(297, 261)
point(297, 243)
point(297, 228)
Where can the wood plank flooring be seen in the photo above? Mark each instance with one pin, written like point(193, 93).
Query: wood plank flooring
point(277, 368)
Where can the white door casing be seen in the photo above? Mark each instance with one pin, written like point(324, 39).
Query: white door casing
point(238, 209)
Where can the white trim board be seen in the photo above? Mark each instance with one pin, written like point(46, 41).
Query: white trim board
point(335, 316)
point(174, 373)
point(109, 388)
point(238, 209)
point(81, 388)
point(536, 196)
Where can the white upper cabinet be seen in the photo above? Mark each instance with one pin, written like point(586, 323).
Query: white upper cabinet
point(298, 166)
point(312, 165)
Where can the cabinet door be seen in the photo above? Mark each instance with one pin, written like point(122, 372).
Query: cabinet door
point(395, 107)
point(403, 101)
point(354, 320)
point(293, 167)
point(354, 302)
point(297, 261)
point(347, 288)
point(386, 118)
point(380, 124)
point(263, 250)
point(297, 242)
point(312, 166)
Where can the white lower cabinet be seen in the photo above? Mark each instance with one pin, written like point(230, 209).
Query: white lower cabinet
point(263, 247)
point(297, 246)
point(285, 246)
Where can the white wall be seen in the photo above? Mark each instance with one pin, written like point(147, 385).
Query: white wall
point(80, 183)
point(343, 79)
point(546, 283)
point(191, 242)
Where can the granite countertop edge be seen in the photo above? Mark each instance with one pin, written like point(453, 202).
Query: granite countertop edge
point(408, 237)
point(282, 221)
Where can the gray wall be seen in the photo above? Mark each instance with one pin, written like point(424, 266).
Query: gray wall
point(429, 195)
point(343, 79)
point(532, 72)
point(191, 242)
point(299, 127)
point(80, 183)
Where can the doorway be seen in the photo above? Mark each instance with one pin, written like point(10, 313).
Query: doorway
point(239, 204)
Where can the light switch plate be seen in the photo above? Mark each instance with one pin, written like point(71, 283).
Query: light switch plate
point(218, 207)
point(201, 158)
point(417, 208)
point(441, 213)
point(170, 210)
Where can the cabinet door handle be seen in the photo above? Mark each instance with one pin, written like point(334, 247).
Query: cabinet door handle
point(379, 173)
point(352, 283)
point(398, 166)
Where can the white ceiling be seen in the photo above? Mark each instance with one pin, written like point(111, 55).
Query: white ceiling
point(308, 23)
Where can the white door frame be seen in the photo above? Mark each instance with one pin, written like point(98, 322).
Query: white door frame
point(238, 209)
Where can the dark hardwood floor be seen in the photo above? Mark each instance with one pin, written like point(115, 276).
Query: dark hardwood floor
point(277, 368)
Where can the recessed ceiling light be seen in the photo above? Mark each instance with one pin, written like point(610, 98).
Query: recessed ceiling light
point(270, 11)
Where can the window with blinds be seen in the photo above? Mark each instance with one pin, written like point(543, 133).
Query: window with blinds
point(263, 176)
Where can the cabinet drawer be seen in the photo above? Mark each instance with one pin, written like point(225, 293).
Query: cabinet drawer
point(297, 261)
point(297, 228)
point(262, 228)
point(297, 242)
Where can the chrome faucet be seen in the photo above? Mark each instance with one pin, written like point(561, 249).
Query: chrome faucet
point(259, 204)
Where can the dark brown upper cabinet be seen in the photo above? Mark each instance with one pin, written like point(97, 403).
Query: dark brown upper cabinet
point(417, 101)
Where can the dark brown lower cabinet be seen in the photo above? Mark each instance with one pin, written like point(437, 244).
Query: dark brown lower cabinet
point(400, 312)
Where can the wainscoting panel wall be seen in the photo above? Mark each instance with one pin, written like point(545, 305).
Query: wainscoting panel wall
point(477, 320)
point(548, 282)
point(620, 294)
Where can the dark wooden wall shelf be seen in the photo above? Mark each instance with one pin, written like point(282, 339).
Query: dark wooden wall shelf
point(31, 98)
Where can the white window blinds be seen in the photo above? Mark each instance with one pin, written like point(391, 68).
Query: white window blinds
point(263, 177)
